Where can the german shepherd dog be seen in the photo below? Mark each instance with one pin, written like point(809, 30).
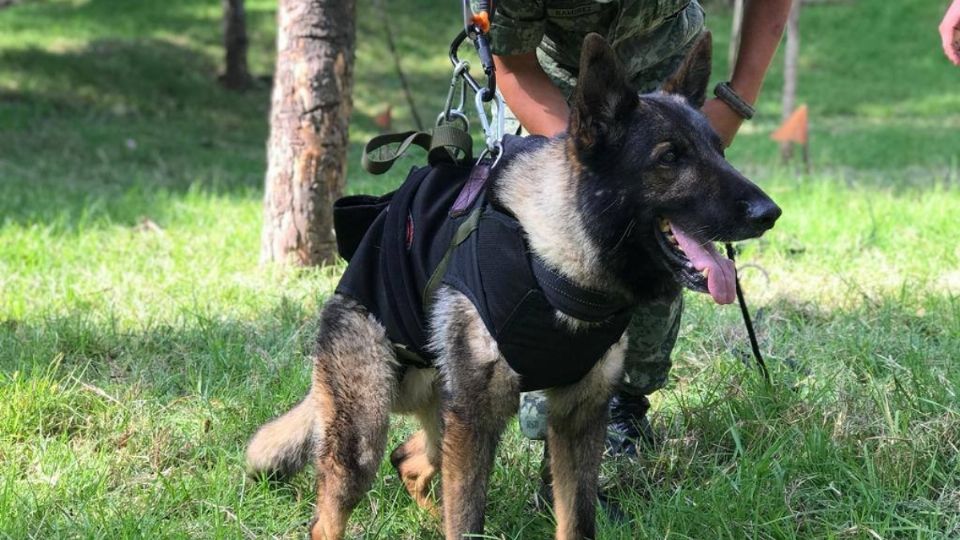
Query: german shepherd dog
point(628, 201)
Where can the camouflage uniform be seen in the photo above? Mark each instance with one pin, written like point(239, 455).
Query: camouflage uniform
point(651, 38)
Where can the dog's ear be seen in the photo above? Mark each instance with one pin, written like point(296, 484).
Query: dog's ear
point(602, 100)
point(691, 78)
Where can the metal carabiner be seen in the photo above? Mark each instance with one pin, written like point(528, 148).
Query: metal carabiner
point(493, 135)
point(501, 113)
point(476, 26)
point(458, 70)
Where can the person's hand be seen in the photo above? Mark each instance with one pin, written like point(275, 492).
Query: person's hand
point(950, 32)
point(723, 119)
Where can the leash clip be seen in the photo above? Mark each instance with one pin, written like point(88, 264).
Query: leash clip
point(492, 125)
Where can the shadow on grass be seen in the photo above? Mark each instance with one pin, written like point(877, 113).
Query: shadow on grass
point(107, 132)
point(164, 412)
point(170, 404)
point(145, 429)
point(114, 130)
point(138, 78)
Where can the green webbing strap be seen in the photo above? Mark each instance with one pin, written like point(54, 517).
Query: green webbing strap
point(378, 146)
point(462, 233)
point(448, 143)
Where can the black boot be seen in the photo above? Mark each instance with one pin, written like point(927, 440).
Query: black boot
point(628, 425)
point(544, 497)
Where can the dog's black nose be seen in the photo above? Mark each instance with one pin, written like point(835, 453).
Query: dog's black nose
point(761, 213)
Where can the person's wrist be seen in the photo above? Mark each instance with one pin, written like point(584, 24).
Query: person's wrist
point(722, 119)
point(730, 114)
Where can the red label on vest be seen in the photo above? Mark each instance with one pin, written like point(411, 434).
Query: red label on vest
point(409, 233)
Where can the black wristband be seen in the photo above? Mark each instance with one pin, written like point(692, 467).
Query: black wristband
point(725, 93)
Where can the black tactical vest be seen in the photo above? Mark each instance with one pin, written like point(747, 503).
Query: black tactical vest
point(415, 243)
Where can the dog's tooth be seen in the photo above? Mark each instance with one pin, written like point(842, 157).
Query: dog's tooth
point(664, 225)
point(706, 272)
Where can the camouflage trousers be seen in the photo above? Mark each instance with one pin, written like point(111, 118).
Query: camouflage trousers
point(650, 339)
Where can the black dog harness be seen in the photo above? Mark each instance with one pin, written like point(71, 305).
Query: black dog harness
point(438, 229)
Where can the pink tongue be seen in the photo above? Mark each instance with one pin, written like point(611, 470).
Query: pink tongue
point(721, 274)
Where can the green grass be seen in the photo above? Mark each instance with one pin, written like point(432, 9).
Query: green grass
point(141, 343)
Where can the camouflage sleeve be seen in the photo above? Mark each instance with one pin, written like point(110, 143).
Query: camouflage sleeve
point(517, 26)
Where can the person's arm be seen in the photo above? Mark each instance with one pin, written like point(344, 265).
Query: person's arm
point(950, 32)
point(763, 24)
point(516, 30)
point(534, 99)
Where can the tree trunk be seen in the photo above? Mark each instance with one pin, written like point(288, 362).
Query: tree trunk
point(308, 129)
point(791, 55)
point(237, 75)
point(735, 36)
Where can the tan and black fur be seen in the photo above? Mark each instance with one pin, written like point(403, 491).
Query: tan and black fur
point(588, 202)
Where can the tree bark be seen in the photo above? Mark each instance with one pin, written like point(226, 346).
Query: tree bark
point(237, 74)
point(308, 129)
point(791, 55)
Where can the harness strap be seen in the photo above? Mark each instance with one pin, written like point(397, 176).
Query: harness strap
point(459, 236)
point(447, 143)
point(576, 301)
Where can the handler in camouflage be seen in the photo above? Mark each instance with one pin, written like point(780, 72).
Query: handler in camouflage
point(536, 47)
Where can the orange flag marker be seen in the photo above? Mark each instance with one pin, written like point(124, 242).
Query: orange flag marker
point(794, 129)
point(384, 119)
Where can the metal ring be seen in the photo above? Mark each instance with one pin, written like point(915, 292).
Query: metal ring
point(496, 151)
point(452, 116)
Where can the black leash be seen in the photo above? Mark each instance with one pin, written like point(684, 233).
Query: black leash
point(761, 365)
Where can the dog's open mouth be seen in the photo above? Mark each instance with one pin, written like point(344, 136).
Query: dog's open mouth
point(697, 264)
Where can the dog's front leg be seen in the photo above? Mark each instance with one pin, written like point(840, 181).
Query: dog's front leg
point(471, 433)
point(575, 451)
point(480, 393)
point(576, 425)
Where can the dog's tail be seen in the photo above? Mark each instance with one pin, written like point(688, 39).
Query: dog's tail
point(282, 446)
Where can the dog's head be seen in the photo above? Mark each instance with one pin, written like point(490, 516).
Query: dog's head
point(656, 168)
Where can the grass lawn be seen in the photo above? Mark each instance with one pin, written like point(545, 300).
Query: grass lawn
point(141, 343)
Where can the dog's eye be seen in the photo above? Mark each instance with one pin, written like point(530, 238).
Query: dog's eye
point(668, 157)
